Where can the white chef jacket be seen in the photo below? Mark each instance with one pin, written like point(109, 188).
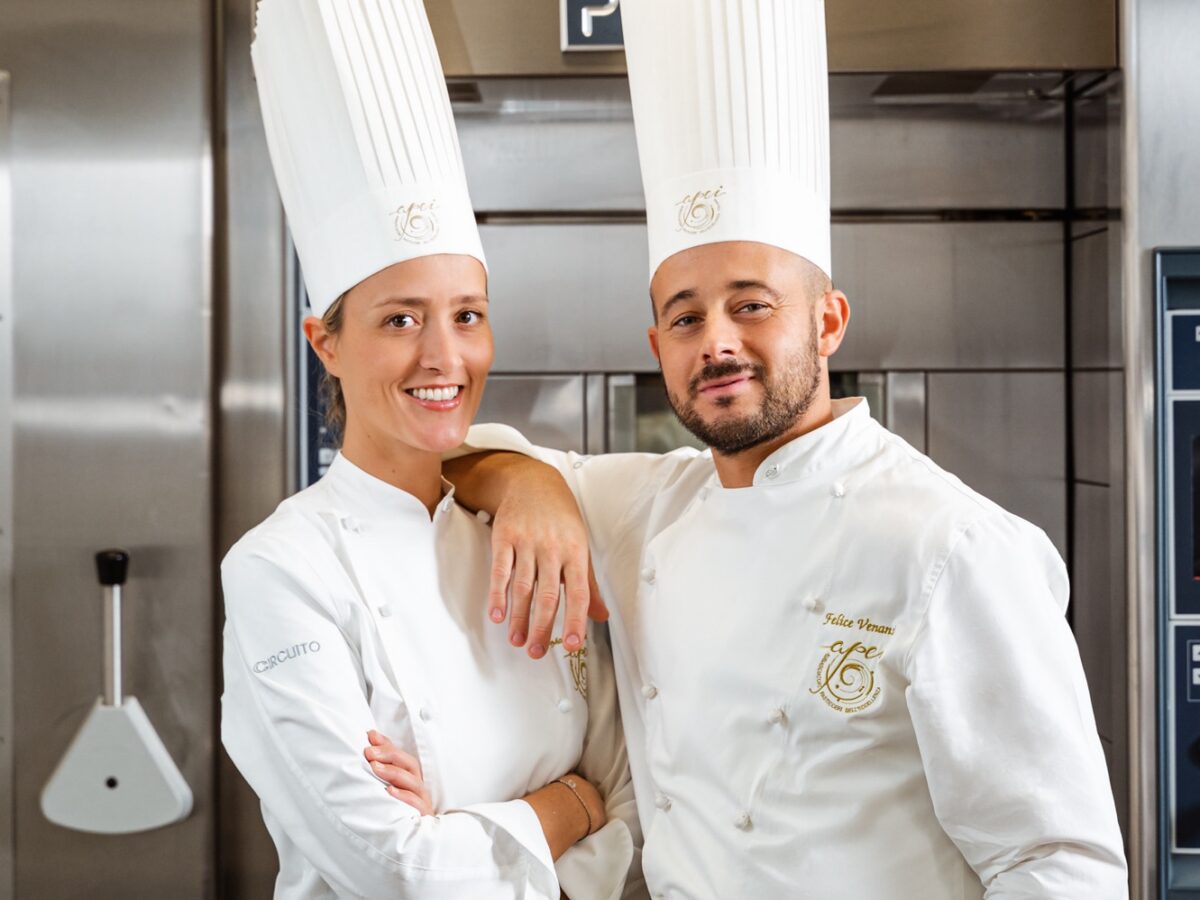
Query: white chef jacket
point(852, 679)
point(349, 609)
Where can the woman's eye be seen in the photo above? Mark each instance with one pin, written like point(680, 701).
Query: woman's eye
point(470, 317)
point(400, 320)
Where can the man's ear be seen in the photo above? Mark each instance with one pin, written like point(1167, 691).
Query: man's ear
point(652, 334)
point(833, 315)
point(324, 344)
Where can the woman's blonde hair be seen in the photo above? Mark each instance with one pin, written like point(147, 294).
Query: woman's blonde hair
point(331, 385)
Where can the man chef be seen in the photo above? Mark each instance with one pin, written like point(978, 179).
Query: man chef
point(842, 672)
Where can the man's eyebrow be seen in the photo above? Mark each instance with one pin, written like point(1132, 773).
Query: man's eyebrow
point(745, 285)
point(687, 294)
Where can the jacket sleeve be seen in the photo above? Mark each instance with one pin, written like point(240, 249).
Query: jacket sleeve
point(1004, 722)
point(614, 490)
point(295, 719)
point(607, 864)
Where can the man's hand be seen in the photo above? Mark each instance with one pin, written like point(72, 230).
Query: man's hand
point(401, 771)
point(540, 544)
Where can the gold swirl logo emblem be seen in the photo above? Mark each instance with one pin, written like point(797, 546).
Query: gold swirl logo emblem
point(577, 660)
point(700, 211)
point(846, 676)
point(416, 223)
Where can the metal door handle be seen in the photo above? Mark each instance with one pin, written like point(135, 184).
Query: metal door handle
point(596, 11)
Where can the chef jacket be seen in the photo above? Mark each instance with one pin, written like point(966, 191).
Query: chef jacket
point(851, 679)
point(350, 609)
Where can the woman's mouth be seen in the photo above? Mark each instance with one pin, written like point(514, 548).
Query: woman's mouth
point(440, 397)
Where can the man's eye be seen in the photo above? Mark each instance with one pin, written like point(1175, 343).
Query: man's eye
point(752, 307)
point(685, 321)
point(400, 320)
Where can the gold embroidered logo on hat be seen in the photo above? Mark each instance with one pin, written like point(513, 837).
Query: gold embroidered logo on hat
point(416, 223)
point(700, 211)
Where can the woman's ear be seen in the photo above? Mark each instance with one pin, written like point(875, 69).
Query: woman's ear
point(324, 343)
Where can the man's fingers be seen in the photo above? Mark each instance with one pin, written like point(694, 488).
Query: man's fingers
point(578, 595)
point(502, 566)
point(597, 610)
point(549, 577)
point(416, 801)
point(522, 596)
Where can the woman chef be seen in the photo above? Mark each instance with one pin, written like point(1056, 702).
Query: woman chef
point(359, 604)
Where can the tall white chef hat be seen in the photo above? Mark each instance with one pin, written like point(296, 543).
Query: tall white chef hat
point(361, 137)
point(731, 106)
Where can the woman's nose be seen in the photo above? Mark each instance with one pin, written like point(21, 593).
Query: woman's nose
point(439, 347)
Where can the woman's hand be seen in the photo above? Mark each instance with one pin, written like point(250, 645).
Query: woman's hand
point(400, 770)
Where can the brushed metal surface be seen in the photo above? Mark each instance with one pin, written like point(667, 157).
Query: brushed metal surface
point(547, 409)
point(596, 411)
point(1099, 427)
point(905, 412)
point(569, 298)
point(111, 179)
point(1161, 193)
point(573, 297)
point(1096, 295)
point(7, 872)
point(521, 37)
point(255, 454)
point(950, 295)
point(1003, 433)
point(568, 145)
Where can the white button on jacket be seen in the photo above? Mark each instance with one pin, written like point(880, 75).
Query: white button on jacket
point(312, 663)
point(939, 744)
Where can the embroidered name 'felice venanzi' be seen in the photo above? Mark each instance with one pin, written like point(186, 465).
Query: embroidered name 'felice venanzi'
point(863, 624)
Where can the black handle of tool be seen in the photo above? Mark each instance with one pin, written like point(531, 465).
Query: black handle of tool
point(112, 566)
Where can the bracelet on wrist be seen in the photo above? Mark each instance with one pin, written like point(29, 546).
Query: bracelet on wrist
point(569, 784)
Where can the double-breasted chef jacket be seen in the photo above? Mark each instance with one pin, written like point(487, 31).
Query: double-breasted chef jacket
point(350, 609)
point(852, 679)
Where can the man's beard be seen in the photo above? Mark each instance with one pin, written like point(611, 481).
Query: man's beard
point(787, 396)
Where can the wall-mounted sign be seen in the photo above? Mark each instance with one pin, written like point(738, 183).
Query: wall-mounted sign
point(591, 25)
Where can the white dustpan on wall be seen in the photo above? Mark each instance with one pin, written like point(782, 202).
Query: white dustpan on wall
point(116, 777)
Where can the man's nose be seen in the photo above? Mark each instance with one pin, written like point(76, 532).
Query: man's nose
point(721, 338)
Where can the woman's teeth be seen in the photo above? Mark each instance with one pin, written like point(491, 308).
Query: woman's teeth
point(435, 394)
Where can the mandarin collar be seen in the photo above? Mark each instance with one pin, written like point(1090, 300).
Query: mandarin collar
point(362, 494)
point(834, 447)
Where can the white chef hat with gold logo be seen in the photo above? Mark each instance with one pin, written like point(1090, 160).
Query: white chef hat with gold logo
point(361, 138)
point(731, 106)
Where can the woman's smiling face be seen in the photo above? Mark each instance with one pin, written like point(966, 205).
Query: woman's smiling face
point(413, 352)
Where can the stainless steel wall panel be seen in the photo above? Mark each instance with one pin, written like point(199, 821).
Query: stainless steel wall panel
point(550, 145)
point(569, 297)
point(1096, 295)
point(977, 151)
point(1098, 604)
point(568, 144)
point(1004, 434)
point(112, 182)
point(950, 295)
point(906, 406)
point(521, 37)
point(596, 410)
point(254, 468)
point(1099, 427)
point(547, 409)
point(1098, 146)
point(7, 859)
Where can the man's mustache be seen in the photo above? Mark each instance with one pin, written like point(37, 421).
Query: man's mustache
point(726, 369)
